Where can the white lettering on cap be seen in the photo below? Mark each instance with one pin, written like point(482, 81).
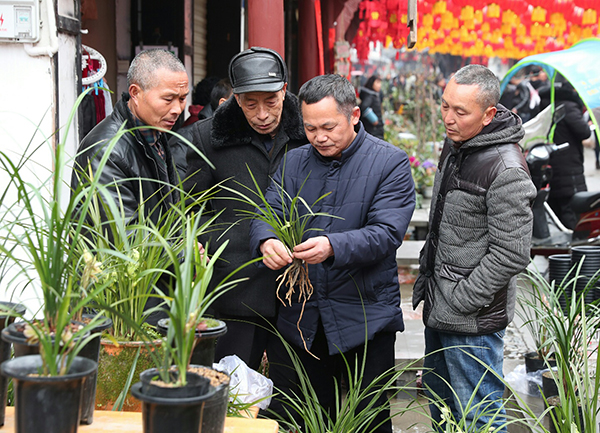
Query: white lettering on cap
point(272, 74)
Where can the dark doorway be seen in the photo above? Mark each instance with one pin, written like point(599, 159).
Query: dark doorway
point(222, 35)
point(157, 23)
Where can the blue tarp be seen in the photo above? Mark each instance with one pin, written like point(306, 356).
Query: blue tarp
point(580, 65)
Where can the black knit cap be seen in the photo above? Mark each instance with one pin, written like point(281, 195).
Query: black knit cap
point(257, 69)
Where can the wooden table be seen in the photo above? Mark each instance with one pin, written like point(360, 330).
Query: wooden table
point(131, 422)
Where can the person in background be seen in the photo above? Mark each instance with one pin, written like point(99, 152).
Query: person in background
point(351, 260)
point(567, 166)
point(220, 92)
point(370, 107)
point(250, 132)
point(538, 78)
point(200, 99)
point(479, 239)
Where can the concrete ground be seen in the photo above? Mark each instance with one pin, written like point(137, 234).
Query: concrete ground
point(410, 343)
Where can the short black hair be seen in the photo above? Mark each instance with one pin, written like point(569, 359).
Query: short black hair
point(222, 89)
point(201, 95)
point(331, 85)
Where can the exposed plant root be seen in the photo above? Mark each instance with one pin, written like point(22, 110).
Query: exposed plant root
point(296, 275)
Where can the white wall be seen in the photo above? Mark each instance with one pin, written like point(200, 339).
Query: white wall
point(28, 113)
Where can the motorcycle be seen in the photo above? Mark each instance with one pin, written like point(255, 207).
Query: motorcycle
point(550, 236)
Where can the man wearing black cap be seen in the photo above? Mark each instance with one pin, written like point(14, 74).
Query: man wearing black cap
point(251, 131)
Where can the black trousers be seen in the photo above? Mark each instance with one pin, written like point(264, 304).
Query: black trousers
point(324, 373)
point(246, 337)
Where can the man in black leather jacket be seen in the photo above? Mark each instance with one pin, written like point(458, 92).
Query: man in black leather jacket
point(140, 164)
point(139, 168)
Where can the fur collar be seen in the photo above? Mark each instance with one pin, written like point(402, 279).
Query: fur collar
point(230, 127)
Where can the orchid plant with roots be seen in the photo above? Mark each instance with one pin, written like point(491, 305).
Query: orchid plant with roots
point(289, 224)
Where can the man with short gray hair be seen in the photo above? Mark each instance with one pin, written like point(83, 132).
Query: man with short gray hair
point(479, 240)
point(139, 169)
point(140, 163)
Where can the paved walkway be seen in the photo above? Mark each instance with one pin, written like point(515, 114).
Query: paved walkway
point(410, 343)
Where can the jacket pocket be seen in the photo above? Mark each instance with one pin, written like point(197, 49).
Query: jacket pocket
point(454, 273)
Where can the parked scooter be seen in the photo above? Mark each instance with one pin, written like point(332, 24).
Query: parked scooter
point(550, 236)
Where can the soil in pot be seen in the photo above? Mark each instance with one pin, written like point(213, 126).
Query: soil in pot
point(6, 320)
point(181, 415)
point(49, 404)
point(206, 335)
point(114, 365)
point(153, 386)
point(215, 408)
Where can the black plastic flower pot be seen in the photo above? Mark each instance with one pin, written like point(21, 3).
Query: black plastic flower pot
point(553, 402)
point(215, 409)
point(534, 362)
point(204, 352)
point(177, 414)
point(549, 386)
point(91, 351)
point(6, 319)
point(14, 334)
point(196, 385)
point(49, 404)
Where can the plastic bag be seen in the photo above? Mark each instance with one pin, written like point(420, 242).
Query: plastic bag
point(525, 383)
point(249, 385)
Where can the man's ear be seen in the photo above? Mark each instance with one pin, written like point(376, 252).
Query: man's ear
point(355, 116)
point(488, 115)
point(134, 91)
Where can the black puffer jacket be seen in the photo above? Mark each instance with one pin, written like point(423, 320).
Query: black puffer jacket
point(131, 159)
point(233, 147)
point(567, 166)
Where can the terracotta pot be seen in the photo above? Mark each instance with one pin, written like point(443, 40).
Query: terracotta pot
point(114, 366)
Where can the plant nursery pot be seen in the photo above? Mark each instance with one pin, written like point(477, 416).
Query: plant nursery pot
point(46, 404)
point(91, 351)
point(177, 414)
point(534, 362)
point(204, 352)
point(114, 366)
point(554, 402)
point(215, 408)
point(6, 320)
point(13, 333)
point(549, 387)
point(197, 385)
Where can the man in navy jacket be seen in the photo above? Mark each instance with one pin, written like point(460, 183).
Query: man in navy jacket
point(352, 259)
